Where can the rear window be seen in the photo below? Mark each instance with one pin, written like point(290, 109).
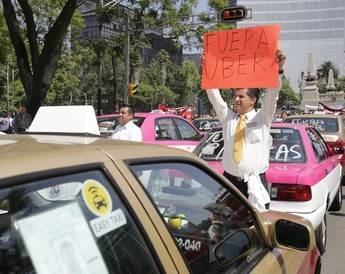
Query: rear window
point(286, 146)
point(323, 125)
point(211, 147)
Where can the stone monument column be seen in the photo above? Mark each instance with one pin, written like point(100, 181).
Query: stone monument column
point(310, 92)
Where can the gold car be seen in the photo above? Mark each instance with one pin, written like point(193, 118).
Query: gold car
point(73, 204)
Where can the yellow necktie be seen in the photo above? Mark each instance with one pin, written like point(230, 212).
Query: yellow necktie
point(239, 139)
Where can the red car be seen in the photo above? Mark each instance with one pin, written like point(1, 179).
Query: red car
point(157, 128)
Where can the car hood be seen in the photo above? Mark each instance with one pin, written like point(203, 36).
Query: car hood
point(283, 173)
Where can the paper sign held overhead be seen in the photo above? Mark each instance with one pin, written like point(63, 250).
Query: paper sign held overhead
point(241, 58)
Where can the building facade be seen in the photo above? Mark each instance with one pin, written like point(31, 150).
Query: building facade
point(307, 26)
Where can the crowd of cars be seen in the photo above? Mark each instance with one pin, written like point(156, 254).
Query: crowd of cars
point(157, 128)
point(88, 204)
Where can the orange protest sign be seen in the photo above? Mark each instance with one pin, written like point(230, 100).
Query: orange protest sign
point(241, 58)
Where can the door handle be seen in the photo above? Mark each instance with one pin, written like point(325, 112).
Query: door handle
point(326, 171)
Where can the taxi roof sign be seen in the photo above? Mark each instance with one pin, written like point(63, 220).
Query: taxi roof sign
point(65, 119)
point(233, 14)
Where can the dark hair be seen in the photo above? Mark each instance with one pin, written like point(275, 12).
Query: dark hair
point(254, 93)
point(130, 108)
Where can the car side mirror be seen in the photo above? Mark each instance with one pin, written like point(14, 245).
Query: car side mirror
point(293, 235)
point(232, 247)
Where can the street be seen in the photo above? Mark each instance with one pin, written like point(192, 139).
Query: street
point(333, 261)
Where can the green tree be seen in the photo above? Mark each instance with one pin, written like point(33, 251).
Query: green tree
point(37, 59)
point(287, 96)
point(324, 68)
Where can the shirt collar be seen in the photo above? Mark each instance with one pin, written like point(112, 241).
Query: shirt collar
point(128, 124)
point(249, 115)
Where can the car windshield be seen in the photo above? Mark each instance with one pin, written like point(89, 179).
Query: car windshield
point(287, 146)
point(323, 125)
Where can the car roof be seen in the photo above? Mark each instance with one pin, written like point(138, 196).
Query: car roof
point(142, 115)
point(24, 153)
point(313, 116)
point(290, 125)
point(274, 124)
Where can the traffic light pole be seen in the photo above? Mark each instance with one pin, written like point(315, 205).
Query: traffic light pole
point(99, 85)
point(126, 60)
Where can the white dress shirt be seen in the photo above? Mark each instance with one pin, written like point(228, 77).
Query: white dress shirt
point(127, 132)
point(257, 139)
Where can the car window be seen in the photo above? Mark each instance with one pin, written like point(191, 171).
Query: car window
point(319, 147)
point(70, 224)
point(287, 146)
point(187, 132)
point(324, 125)
point(199, 212)
point(165, 129)
point(108, 124)
point(211, 147)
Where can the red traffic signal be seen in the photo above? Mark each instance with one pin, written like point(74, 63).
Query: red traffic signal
point(233, 14)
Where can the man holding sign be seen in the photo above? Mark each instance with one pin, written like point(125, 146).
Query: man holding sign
point(232, 60)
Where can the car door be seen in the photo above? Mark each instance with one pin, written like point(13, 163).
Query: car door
point(200, 210)
point(76, 220)
point(329, 169)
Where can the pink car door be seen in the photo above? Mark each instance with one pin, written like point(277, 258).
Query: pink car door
point(328, 164)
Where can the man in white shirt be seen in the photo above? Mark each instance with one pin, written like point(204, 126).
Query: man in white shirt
point(247, 171)
point(127, 130)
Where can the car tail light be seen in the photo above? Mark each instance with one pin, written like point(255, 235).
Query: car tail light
point(287, 192)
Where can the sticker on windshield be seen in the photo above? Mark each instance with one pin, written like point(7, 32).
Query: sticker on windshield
point(97, 198)
point(59, 240)
point(104, 224)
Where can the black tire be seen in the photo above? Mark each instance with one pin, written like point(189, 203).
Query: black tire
point(338, 200)
point(343, 180)
point(321, 235)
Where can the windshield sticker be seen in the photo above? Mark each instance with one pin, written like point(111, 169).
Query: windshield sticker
point(96, 198)
point(59, 240)
point(103, 225)
point(288, 130)
point(66, 191)
point(275, 130)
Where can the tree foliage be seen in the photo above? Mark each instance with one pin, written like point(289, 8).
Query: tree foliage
point(324, 68)
point(287, 96)
point(38, 42)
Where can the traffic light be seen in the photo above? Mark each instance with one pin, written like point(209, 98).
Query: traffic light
point(233, 14)
point(132, 89)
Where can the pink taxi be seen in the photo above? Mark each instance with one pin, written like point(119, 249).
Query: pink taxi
point(304, 173)
point(157, 128)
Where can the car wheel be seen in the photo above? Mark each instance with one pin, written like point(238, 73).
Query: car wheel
point(321, 235)
point(338, 200)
